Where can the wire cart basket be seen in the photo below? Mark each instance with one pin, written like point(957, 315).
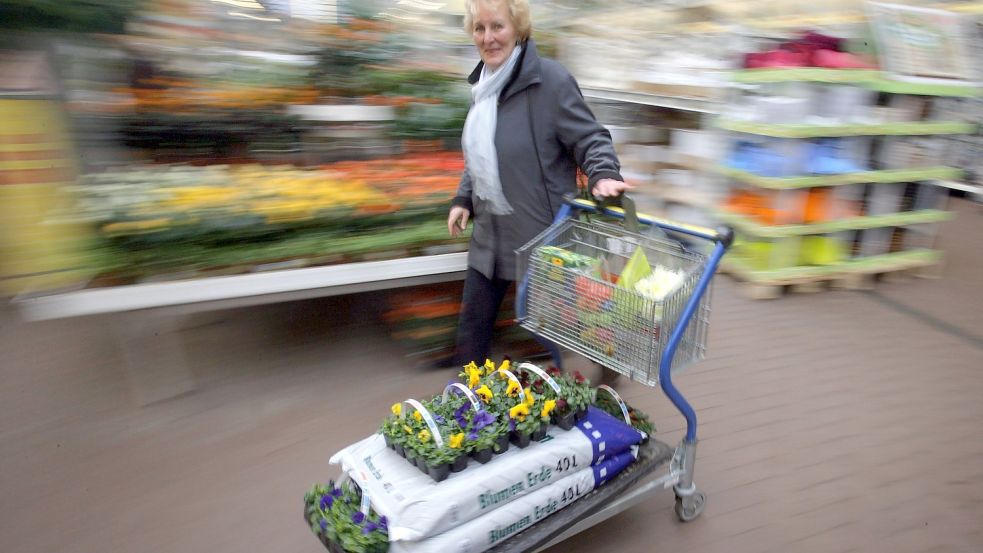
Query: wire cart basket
point(567, 296)
point(620, 328)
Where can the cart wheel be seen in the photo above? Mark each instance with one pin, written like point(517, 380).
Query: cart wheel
point(698, 501)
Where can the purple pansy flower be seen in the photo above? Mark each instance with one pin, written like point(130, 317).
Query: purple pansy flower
point(336, 493)
point(473, 435)
point(358, 517)
point(482, 419)
point(369, 528)
point(324, 525)
point(512, 425)
point(438, 418)
point(326, 502)
point(384, 524)
point(462, 421)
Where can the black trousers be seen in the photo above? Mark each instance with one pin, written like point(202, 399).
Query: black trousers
point(480, 303)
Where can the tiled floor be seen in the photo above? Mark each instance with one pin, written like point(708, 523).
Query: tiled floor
point(834, 422)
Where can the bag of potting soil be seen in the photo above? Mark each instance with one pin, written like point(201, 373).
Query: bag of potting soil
point(417, 507)
point(493, 527)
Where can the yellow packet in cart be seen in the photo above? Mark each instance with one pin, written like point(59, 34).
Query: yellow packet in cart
point(636, 269)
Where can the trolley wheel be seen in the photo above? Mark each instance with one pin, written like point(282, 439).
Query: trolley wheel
point(697, 502)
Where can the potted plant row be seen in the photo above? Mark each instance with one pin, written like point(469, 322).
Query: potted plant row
point(334, 512)
point(480, 416)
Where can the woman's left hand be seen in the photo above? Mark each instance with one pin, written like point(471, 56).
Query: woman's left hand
point(609, 188)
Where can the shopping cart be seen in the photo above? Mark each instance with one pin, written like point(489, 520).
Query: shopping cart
point(646, 338)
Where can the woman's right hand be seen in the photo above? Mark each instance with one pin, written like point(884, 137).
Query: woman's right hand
point(457, 220)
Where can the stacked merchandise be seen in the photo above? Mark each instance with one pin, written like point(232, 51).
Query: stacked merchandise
point(833, 169)
point(490, 457)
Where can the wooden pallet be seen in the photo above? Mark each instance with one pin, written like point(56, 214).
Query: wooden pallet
point(850, 276)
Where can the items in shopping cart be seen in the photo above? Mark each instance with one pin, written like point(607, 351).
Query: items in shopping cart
point(620, 309)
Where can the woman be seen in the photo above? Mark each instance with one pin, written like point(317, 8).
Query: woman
point(526, 134)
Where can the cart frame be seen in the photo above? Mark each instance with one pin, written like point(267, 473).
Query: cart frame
point(689, 500)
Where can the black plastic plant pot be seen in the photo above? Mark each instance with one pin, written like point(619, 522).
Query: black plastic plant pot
point(460, 463)
point(521, 439)
point(399, 450)
point(421, 464)
point(503, 443)
point(540, 433)
point(389, 442)
point(565, 422)
point(581, 414)
point(439, 472)
point(483, 455)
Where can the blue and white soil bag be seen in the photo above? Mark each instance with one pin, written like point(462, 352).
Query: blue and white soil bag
point(418, 508)
point(492, 528)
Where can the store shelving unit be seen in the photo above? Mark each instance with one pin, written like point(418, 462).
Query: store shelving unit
point(861, 177)
point(866, 227)
point(925, 128)
point(696, 105)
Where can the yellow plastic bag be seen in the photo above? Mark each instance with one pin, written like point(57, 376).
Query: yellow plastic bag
point(636, 269)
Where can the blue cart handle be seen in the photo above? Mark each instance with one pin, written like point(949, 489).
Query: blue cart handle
point(723, 235)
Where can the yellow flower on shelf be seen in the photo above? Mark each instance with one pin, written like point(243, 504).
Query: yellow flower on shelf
point(397, 408)
point(519, 412)
point(513, 388)
point(489, 366)
point(408, 429)
point(470, 367)
point(485, 393)
point(505, 366)
point(456, 440)
point(530, 400)
point(417, 416)
point(424, 435)
point(548, 407)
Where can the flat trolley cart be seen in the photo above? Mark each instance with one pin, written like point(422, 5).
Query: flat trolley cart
point(639, 337)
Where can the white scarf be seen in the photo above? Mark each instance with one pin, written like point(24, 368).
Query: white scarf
point(478, 139)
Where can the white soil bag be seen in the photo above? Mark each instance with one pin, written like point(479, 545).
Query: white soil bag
point(494, 527)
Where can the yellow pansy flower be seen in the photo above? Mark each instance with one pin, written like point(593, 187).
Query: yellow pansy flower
point(530, 400)
point(397, 408)
point(519, 412)
point(417, 416)
point(505, 366)
point(470, 367)
point(548, 407)
point(407, 429)
point(489, 366)
point(424, 435)
point(456, 440)
point(513, 388)
point(474, 378)
point(485, 393)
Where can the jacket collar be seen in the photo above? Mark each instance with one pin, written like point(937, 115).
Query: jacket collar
point(526, 72)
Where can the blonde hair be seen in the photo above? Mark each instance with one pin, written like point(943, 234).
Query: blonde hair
point(518, 11)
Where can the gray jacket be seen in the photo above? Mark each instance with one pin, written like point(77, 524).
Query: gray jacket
point(545, 131)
